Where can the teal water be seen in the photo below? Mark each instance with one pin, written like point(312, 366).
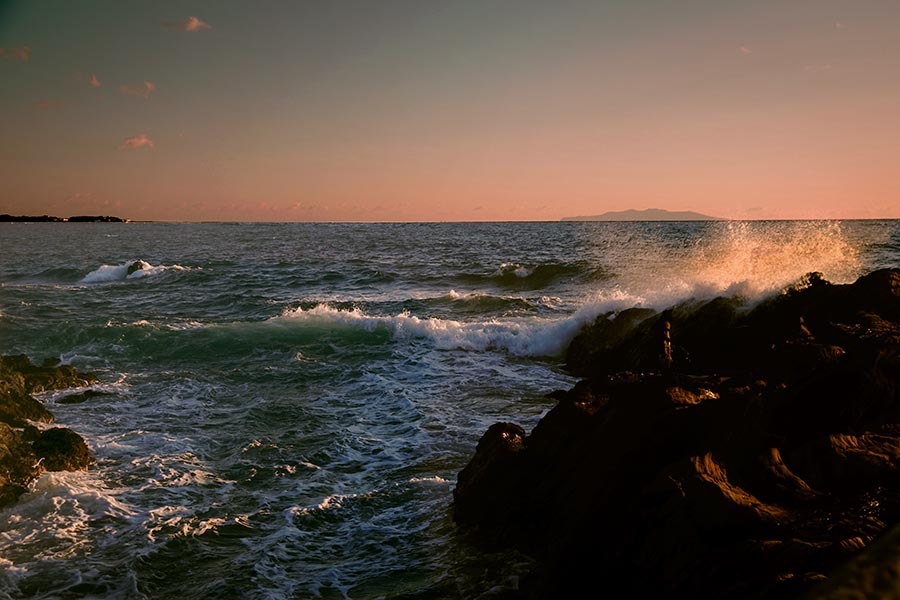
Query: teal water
point(288, 405)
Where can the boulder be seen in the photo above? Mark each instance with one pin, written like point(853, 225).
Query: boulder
point(25, 451)
point(61, 449)
point(710, 451)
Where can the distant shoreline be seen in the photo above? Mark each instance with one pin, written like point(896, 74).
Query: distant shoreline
point(650, 214)
point(52, 219)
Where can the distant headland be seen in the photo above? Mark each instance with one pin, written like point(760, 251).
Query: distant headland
point(51, 219)
point(650, 214)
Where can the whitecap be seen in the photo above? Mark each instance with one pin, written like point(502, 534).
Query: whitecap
point(431, 480)
point(139, 269)
point(524, 336)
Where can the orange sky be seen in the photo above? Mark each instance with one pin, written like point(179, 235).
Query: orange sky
point(414, 111)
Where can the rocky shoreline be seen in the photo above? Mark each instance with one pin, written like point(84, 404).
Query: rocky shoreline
point(711, 450)
point(25, 450)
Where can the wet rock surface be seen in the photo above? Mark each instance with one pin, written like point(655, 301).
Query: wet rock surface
point(711, 450)
point(25, 451)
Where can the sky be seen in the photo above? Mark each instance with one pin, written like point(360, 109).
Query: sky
point(421, 110)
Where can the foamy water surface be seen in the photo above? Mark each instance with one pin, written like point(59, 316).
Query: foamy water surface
point(286, 406)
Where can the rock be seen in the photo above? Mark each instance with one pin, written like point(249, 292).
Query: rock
point(18, 464)
point(17, 371)
point(61, 449)
point(16, 408)
point(597, 344)
point(873, 574)
point(82, 397)
point(19, 378)
point(497, 448)
point(709, 452)
point(137, 265)
point(24, 450)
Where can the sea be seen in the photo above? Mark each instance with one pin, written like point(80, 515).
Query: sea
point(285, 407)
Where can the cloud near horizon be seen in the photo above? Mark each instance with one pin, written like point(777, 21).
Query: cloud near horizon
point(144, 90)
point(93, 81)
point(189, 24)
point(141, 140)
point(22, 53)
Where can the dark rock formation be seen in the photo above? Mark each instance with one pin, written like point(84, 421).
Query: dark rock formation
point(61, 449)
point(25, 452)
point(82, 397)
point(95, 219)
point(137, 265)
point(7, 218)
point(710, 451)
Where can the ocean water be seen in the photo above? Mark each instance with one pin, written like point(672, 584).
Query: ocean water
point(287, 405)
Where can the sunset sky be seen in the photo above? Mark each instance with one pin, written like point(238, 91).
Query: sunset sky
point(380, 110)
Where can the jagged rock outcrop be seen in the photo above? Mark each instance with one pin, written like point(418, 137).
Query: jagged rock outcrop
point(710, 451)
point(26, 452)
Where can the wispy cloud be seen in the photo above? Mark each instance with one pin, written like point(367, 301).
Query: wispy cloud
point(93, 81)
point(141, 140)
point(144, 90)
point(189, 24)
point(22, 53)
point(746, 51)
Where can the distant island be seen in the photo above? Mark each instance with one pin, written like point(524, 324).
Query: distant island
point(51, 219)
point(650, 214)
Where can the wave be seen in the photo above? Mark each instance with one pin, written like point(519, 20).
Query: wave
point(523, 336)
point(130, 269)
point(479, 303)
point(49, 521)
point(513, 275)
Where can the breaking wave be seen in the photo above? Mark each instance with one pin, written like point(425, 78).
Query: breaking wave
point(130, 269)
point(742, 259)
point(517, 276)
point(523, 336)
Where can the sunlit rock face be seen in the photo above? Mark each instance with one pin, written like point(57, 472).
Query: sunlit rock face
point(711, 450)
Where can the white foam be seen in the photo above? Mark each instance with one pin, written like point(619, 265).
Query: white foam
point(515, 268)
point(523, 336)
point(50, 520)
point(177, 325)
point(108, 273)
point(431, 480)
point(167, 522)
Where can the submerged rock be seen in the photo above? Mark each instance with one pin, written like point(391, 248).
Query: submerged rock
point(709, 452)
point(82, 397)
point(137, 265)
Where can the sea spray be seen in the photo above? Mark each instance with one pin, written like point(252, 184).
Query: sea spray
point(294, 363)
point(742, 259)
